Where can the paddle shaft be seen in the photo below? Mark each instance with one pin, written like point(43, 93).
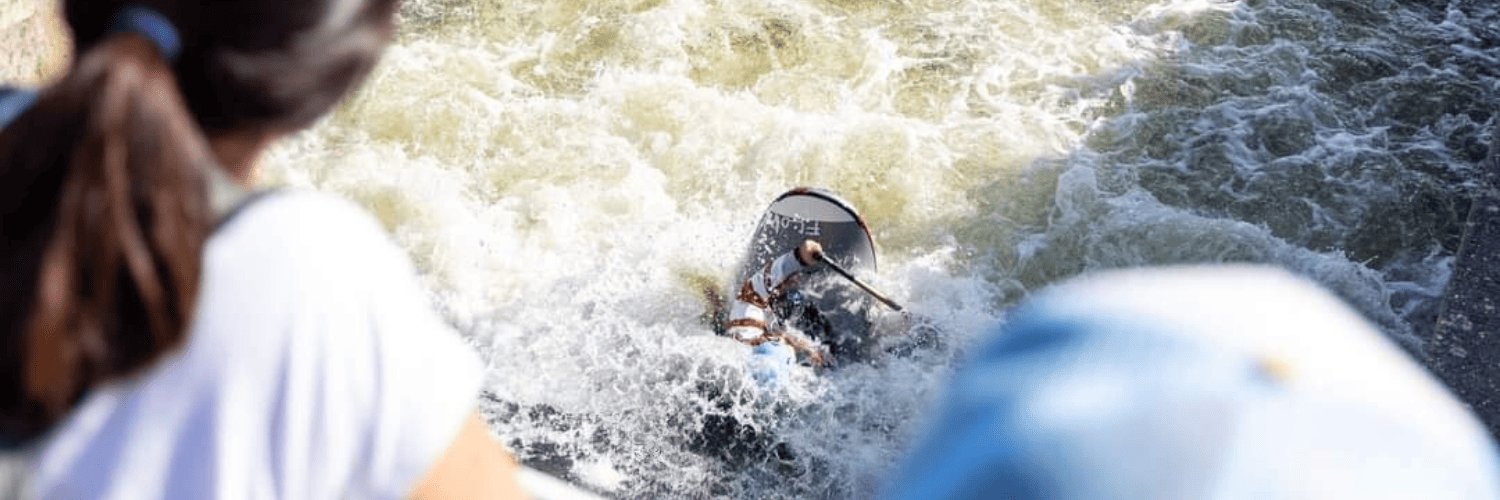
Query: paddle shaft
point(858, 283)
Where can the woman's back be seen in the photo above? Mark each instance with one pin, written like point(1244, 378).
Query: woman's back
point(329, 387)
point(153, 352)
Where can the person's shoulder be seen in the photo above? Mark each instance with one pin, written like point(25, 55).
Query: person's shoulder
point(306, 221)
point(295, 258)
point(304, 235)
point(306, 214)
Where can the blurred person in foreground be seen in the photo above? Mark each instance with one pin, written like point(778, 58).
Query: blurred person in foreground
point(1196, 383)
point(166, 337)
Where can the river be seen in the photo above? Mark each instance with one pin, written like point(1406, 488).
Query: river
point(567, 173)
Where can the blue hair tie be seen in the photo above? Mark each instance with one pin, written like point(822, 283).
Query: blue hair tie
point(151, 24)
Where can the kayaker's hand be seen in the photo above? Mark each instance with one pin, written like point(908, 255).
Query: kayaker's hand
point(809, 253)
point(816, 356)
point(814, 351)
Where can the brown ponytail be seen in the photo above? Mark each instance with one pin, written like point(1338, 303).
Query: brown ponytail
point(104, 213)
point(104, 205)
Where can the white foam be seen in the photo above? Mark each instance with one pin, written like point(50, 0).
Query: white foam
point(566, 175)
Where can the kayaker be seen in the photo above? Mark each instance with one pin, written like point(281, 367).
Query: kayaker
point(751, 318)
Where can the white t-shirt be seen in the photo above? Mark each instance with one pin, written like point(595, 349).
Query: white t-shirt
point(315, 368)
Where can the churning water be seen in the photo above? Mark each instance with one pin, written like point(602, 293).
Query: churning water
point(567, 173)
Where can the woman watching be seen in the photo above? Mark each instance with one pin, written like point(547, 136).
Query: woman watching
point(166, 338)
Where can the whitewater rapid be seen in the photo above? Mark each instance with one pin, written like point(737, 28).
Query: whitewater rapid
point(567, 174)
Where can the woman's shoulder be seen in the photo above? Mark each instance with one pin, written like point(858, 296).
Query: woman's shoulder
point(296, 214)
point(298, 255)
point(308, 232)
